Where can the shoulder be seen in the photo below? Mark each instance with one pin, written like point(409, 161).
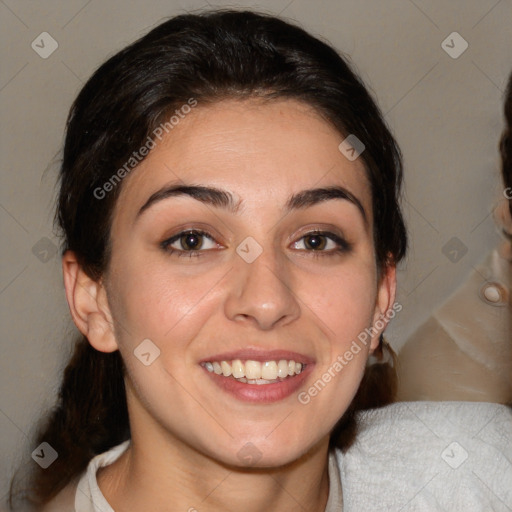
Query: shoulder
point(428, 453)
point(403, 419)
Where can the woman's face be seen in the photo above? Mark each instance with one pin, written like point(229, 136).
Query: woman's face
point(252, 282)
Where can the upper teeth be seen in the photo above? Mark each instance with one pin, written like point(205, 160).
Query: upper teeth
point(252, 370)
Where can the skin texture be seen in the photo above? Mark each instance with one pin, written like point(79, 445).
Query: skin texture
point(186, 431)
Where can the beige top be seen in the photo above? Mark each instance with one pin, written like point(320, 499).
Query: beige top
point(87, 496)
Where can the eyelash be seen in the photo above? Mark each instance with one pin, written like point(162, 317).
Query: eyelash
point(343, 245)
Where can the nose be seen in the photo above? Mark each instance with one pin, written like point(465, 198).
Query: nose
point(262, 292)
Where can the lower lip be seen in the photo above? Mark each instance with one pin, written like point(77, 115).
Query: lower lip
point(261, 393)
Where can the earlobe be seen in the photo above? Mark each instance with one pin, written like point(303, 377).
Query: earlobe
point(386, 293)
point(88, 305)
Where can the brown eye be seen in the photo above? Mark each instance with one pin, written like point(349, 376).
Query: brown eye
point(188, 243)
point(191, 240)
point(315, 242)
point(323, 243)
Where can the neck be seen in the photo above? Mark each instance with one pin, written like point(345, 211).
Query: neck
point(156, 474)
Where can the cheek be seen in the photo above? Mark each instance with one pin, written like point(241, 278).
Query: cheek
point(344, 307)
point(155, 300)
point(152, 300)
point(344, 301)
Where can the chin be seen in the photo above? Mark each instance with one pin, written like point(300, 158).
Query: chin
point(258, 452)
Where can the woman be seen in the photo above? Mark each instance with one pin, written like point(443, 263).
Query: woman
point(229, 204)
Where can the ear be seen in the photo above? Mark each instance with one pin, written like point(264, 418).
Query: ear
point(386, 292)
point(87, 300)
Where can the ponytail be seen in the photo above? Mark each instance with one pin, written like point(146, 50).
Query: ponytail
point(89, 418)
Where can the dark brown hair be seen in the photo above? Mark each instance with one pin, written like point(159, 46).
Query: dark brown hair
point(506, 143)
point(208, 57)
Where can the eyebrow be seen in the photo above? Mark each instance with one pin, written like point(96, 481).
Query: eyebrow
point(222, 199)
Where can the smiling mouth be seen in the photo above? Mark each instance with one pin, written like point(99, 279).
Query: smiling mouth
point(256, 372)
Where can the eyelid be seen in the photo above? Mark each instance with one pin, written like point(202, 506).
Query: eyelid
point(327, 230)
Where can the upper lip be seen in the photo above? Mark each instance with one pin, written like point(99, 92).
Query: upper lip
point(261, 355)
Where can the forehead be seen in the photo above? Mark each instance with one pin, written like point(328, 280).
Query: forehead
point(262, 152)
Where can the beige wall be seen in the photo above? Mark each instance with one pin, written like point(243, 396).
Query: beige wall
point(446, 114)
